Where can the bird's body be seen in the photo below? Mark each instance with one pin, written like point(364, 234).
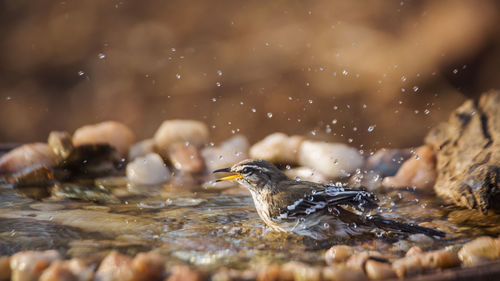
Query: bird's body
point(311, 209)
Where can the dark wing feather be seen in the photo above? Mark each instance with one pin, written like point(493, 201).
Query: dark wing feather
point(329, 197)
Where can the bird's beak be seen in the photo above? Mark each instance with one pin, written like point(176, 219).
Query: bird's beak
point(227, 170)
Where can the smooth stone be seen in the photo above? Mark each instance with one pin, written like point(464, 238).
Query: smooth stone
point(480, 250)
point(278, 148)
point(418, 172)
point(147, 170)
point(333, 160)
point(27, 156)
point(185, 157)
point(68, 270)
point(61, 143)
point(113, 133)
point(226, 154)
point(29, 265)
point(141, 149)
point(186, 131)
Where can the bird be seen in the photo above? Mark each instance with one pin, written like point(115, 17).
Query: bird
point(318, 211)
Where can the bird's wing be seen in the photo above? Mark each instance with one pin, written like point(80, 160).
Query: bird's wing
point(315, 198)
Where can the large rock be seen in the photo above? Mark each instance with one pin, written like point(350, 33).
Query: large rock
point(468, 154)
point(28, 155)
point(147, 170)
point(278, 148)
point(226, 154)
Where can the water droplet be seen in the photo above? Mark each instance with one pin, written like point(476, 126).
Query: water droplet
point(214, 99)
point(415, 89)
point(254, 110)
point(218, 84)
point(355, 129)
point(371, 128)
point(173, 49)
point(290, 98)
point(81, 73)
point(417, 157)
point(219, 72)
point(178, 76)
point(307, 84)
point(403, 78)
point(416, 111)
point(310, 101)
point(345, 72)
point(334, 121)
point(101, 56)
point(269, 115)
point(365, 106)
point(313, 132)
point(349, 140)
point(427, 112)
point(8, 98)
point(335, 107)
point(455, 71)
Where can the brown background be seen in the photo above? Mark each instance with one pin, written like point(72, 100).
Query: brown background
point(399, 65)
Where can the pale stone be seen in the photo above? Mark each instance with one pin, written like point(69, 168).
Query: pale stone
point(29, 265)
point(173, 131)
point(277, 148)
point(226, 154)
point(331, 159)
point(147, 170)
point(141, 149)
point(480, 250)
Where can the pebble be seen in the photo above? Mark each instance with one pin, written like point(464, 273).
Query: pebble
point(306, 174)
point(226, 154)
point(418, 172)
point(29, 265)
point(185, 157)
point(69, 270)
point(61, 143)
point(358, 261)
point(115, 266)
point(141, 149)
point(338, 254)
point(341, 273)
point(110, 132)
point(481, 250)
point(278, 148)
point(147, 170)
point(28, 155)
point(184, 273)
point(423, 262)
point(4, 268)
point(331, 159)
point(173, 131)
point(376, 270)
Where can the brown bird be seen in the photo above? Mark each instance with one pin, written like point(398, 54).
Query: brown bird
point(311, 209)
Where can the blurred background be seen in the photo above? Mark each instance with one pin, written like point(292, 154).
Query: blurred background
point(371, 73)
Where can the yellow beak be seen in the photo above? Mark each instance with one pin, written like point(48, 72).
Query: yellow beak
point(228, 178)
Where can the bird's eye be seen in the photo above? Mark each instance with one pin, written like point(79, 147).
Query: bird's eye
point(246, 171)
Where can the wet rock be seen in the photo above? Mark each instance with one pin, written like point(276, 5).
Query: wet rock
point(468, 154)
point(480, 250)
point(5, 269)
point(359, 260)
point(420, 263)
point(300, 271)
point(28, 155)
point(47, 206)
point(342, 273)
point(185, 157)
point(306, 174)
point(112, 133)
point(418, 172)
point(147, 170)
point(226, 154)
point(149, 266)
point(141, 149)
point(278, 148)
point(185, 273)
point(387, 162)
point(33, 177)
point(61, 143)
point(376, 270)
point(228, 274)
point(84, 193)
point(175, 131)
point(70, 270)
point(338, 254)
point(331, 159)
point(115, 266)
point(29, 265)
point(89, 161)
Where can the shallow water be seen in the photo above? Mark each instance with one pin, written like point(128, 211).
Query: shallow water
point(202, 227)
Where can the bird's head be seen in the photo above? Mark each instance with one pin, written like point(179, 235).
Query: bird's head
point(254, 174)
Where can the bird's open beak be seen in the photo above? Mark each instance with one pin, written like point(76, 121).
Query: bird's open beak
point(227, 170)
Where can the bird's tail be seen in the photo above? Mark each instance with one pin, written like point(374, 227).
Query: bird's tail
point(405, 227)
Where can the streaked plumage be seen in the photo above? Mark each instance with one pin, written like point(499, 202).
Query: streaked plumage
point(311, 209)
